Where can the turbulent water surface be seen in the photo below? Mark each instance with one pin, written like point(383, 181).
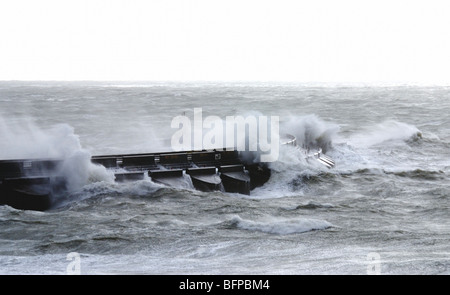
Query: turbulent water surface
point(383, 209)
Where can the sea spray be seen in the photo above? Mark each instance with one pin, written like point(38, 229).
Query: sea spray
point(26, 140)
point(78, 171)
point(311, 131)
point(296, 163)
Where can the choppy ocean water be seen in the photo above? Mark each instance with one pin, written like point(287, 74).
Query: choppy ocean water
point(383, 209)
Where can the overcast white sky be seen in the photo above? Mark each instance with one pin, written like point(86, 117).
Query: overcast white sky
point(275, 40)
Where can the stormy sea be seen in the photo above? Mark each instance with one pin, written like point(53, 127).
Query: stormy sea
point(384, 207)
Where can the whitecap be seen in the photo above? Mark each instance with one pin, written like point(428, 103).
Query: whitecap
point(281, 226)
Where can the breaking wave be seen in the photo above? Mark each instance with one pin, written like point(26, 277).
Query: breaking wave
point(26, 140)
point(291, 174)
point(387, 131)
point(281, 226)
point(311, 131)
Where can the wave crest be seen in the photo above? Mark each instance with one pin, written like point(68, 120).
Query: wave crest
point(281, 226)
point(387, 131)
